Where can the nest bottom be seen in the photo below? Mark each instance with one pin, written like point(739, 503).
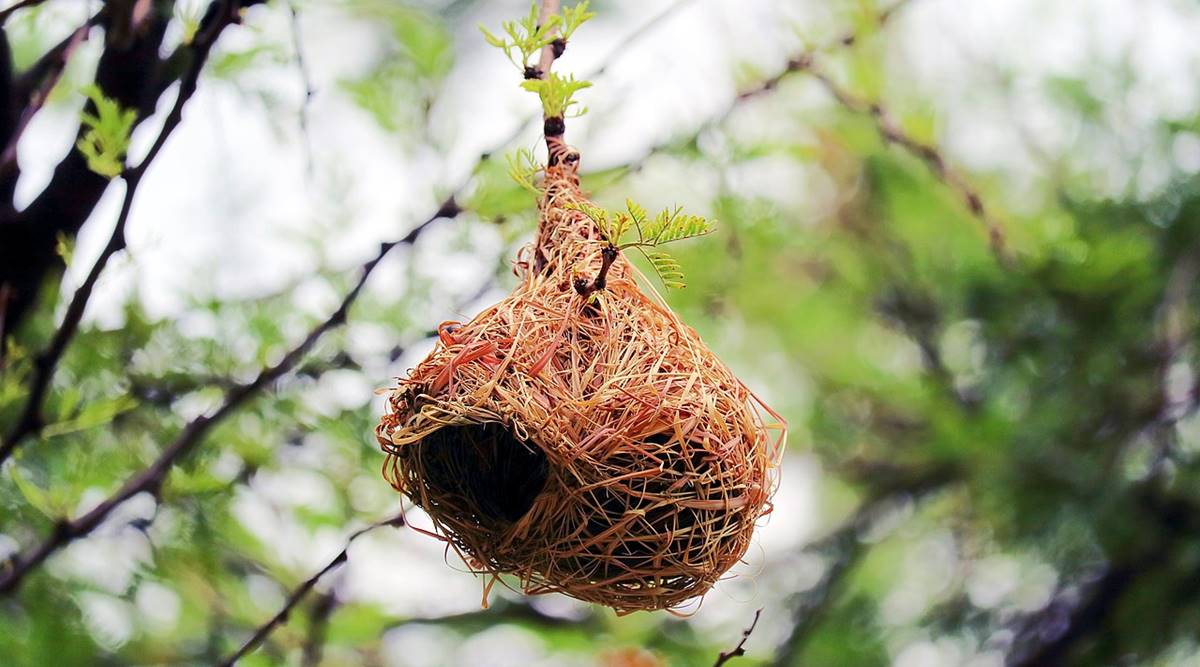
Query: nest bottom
point(485, 471)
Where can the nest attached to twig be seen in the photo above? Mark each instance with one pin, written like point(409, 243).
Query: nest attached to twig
point(589, 446)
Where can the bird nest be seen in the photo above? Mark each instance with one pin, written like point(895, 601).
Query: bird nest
point(586, 444)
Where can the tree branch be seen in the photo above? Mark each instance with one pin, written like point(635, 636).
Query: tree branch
point(928, 153)
point(31, 420)
point(302, 590)
point(131, 73)
point(552, 127)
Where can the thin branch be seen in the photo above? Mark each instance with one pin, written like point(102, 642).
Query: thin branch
point(761, 88)
point(620, 48)
point(297, 595)
point(553, 128)
point(928, 153)
point(31, 420)
point(549, 53)
point(739, 650)
point(845, 40)
point(306, 81)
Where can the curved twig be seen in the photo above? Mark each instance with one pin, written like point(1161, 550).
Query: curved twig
point(302, 590)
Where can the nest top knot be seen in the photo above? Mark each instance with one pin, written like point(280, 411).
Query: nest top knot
point(586, 443)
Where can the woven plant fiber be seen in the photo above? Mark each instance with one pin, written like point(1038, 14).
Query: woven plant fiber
point(586, 444)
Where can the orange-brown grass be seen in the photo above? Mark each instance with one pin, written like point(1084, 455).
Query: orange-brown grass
point(590, 445)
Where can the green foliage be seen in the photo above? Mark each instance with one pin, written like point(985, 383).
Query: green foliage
point(523, 167)
point(398, 90)
point(557, 94)
point(106, 133)
point(668, 226)
point(572, 18)
point(524, 38)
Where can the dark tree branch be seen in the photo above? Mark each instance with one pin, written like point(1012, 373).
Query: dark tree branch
point(739, 650)
point(129, 72)
point(298, 595)
point(31, 420)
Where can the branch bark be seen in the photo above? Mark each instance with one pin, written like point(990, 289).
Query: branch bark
point(552, 127)
point(131, 73)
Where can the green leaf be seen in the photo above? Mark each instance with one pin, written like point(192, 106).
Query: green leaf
point(34, 495)
point(93, 415)
point(106, 136)
point(667, 268)
point(523, 167)
point(557, 94)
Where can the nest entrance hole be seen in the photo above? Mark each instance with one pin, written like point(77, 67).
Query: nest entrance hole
point(483, 466)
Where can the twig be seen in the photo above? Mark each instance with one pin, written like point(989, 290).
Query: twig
point(302, 590)
point(929, 153)
point(608, 255)
point(552, 127)
point(306, 81)
point(620, 48)
point(31, 420)
point(763, 87)
point(739, 650)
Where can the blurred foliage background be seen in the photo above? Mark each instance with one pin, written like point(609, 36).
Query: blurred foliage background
point(957, 248)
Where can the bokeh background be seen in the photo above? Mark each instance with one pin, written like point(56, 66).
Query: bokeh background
point(994, 448)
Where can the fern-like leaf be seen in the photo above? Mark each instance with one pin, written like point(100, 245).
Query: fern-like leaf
point(667, 268)
point(522, 168)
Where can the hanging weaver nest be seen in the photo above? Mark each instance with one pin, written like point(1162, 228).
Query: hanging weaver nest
point(589, 446)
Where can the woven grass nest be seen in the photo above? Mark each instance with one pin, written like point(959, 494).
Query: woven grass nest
point(593, 447)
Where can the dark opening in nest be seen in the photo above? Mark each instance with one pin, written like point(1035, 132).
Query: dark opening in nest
point(493, 473)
